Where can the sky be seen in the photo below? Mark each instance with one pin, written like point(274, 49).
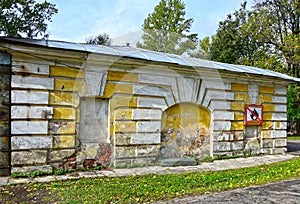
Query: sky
point(122, 20)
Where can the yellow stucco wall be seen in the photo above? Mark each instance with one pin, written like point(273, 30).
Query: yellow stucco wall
point(186, 129)
point(122, 76)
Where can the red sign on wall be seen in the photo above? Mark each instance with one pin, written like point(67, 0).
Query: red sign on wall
point(253, 114)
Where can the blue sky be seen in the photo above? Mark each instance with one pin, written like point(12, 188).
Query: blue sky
point(122, 19)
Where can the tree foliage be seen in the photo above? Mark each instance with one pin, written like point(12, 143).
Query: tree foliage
point(25, 17)
point(230, 44)
point(101, 39)
point(266, 36)
point(203, 50)
point(293, 108)
point(167, 30)
point(278, 27)
point(293, 96)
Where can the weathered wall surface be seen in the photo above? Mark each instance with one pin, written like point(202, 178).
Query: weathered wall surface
point(133, 108)
point(224, 97)
point(4, 114)
point(185, 131)
point(232, 137)
point(30, 115)
point(46, 115)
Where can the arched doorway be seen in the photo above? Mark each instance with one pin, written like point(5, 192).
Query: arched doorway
point(185, 131)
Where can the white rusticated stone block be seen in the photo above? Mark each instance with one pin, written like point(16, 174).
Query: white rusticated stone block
point(31, 112)
point(253, 88)
point(149, 126)
point(253, 93)
point(279, 133)
point(32, 82)
point(221, 146)
point(279, 150)
point(223, 115)
point(156, 79)
point(154, 91)
point(217, 84)
point(30, 142)
point(148, 151)
point(279, 99)
point(29, 157)
point(94, 81)
point(42, 69)
point(146, 114)
point(147, 102)
point(280, 108)
point(216, 94)
point(146, 138)
point(29, 127)
point(160, 80)
point(187, 89)
point(221, 136)
point(279, 116)
point(238, 145)
point(31, 97)
point(220, 105)
point(281, 125)
point(26, 169)
point(281, 90)
point(280, 143)
point(222, 125)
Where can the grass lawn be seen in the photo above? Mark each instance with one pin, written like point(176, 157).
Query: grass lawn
point(293, 137)
point(148, 188)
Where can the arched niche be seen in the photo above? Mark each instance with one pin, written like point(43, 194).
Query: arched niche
point(185, 131)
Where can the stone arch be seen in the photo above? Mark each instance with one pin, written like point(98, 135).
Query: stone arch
point(185, 131)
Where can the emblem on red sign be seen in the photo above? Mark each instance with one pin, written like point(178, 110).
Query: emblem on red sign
point(253, 114)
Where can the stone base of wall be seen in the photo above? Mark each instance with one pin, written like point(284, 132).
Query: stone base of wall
point(30, 169)
point(137, 162)
point(237, 144)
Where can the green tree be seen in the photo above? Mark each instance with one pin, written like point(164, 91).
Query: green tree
point(228, 45)
point(235, 43)
point(293, 108)
point(167, 30)
point(203, 51)
point(276, 24)
point(25, 17)
point(102, 39)
point(267, 36)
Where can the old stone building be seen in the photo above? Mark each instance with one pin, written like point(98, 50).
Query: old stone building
point(69, 105)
